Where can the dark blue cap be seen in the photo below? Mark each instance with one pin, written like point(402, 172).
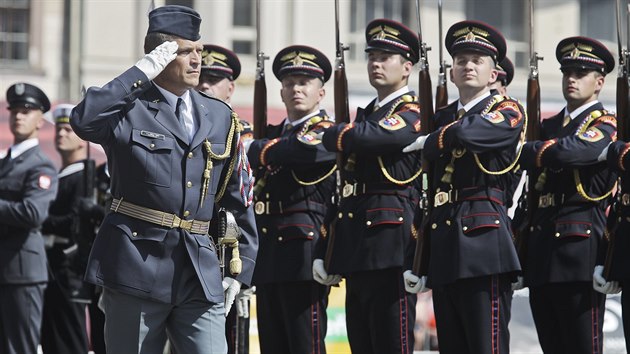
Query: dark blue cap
point(394, 37)
point(27, 96)
point(584, 53)
point(220, 62)
point(180, 21)
point(506, 71)
point(475, 36)
point(302, 60)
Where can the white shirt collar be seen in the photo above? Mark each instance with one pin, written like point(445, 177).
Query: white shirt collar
point(20, 148)
point(392, 96)
point(301, 120)
point(472, 103)
point(187, 113)
point(72, 168)
point(576, 112)
point(171, 98)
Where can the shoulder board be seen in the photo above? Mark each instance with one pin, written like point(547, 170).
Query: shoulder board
point(604, 117)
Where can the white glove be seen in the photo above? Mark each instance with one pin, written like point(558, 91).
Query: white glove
point(518, 284)
point(413, 283)
point(416, 145)
point(603, 154)
point(601, 285)
point(153, 63)
point(231, 288)
point(242, 301)
point(321, 276)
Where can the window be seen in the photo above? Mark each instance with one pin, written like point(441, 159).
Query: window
point(244, 24)
point(511, 19)
point(14, 33)
point(364, 11)
point(598, 19)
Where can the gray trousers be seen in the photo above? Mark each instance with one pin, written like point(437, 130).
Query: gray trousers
point(20, 317)
point(134, 325)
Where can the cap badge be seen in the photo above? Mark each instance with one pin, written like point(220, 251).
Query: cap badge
point(575, 53)
point(297, 61)
point(19, 89)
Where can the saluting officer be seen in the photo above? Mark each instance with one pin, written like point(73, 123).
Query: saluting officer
point(28, 184)
point(296, 180)
point(172, 153)
point(374, 236)
point(64, 326)
point(474, 151)
point(220, 67)
point(566, 237)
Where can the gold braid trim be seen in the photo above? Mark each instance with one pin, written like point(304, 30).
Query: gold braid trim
point(403, 100)
point(576, 173)
point(228, 150)
point(305, 183)
point(497, 99)
point(392, 179)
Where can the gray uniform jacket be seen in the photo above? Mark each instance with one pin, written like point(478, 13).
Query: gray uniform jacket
point(153, 165)
point(28, 185)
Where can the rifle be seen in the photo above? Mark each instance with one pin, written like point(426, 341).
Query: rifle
point(532, 133)
point(441, 91)
point(342, 115)
point(425, 97)
point(260, 87)
point(623, 109)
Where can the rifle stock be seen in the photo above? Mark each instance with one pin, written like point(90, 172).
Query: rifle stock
point(425, 98)
point(342, 115)
point(623, 109)
point(260, 86)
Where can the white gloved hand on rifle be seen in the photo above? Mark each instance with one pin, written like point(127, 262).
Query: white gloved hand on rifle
point(321, 276)
point(231, 288)
point(416, 145)
point(601, 285)
point(413, 283)
point(154, 62)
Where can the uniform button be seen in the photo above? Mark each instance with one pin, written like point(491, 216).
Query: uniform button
point(400, 218)
point(497, 222)
point(134, 234)
point(588, 232)
point(448, 222)
point(531, 229)
point(368, 223)
point(434, 226)
point(152, 145)
point(311, 233)
point(350, 215)
point(266, 195)
point(189, 184)
point(557, 234)
point(465, 228)
point(186, 213)
point(279, 238)
point(264, 230)
point(190, 155)
point(340, 215)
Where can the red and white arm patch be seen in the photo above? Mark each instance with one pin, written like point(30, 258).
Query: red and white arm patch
point(393, 122)
point(592, 135)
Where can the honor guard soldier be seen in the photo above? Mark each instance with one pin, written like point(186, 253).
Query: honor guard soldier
point(66, 296)
point(505, 75)
point(220, 67)
point(373, 239)
point(619, 223)
point(294, 188)
point(474, 151)
point(174, 155)
point(28, 184)
point(566, 237)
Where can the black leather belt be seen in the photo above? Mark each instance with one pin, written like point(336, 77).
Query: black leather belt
point(355, 189)
point(278, 207)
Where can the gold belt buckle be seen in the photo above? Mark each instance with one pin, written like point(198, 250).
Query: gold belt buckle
point(348, 190)
point(186, 225)
point(259, 208)
point(546, 200)
point(625, 199)
point(441, 198)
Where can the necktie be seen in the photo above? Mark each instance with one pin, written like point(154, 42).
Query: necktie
point(178, 112)
point(460, 113)
point(566, 121)
point(287, 127)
